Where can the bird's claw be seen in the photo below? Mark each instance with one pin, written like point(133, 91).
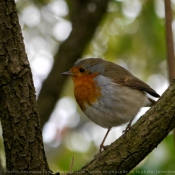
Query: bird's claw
point(124, 132)
point(100, 151)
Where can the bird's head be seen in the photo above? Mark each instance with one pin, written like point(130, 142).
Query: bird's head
point(85, 68)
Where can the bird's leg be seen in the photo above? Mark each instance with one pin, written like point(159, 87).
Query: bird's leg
point(101, 145)
point(128, 126)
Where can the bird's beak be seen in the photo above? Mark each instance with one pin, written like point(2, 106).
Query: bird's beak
point(67, 73)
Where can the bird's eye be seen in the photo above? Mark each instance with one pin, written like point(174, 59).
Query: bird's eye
point(81, 70)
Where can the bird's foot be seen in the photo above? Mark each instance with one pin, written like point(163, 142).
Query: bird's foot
point(102, 147)
point(127, 129)
point(105, 147)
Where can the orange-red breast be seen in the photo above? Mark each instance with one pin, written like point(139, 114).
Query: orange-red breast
point(107, 93)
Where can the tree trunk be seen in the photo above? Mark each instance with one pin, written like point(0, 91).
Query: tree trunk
point(18, 109)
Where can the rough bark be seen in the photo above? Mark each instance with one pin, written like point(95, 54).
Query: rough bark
point(84, 23)
point(125, 153)
point(18, 109)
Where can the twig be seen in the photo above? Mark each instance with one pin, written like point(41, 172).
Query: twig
point(169, 43)
point(71, 165)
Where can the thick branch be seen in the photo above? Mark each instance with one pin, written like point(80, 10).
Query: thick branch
point(125, 153)
point(84, 23)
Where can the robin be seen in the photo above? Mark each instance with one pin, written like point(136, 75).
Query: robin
point(108, 94)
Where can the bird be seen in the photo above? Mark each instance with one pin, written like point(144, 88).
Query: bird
point(109, 94)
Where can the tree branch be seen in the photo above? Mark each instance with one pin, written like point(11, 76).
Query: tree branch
point(126, 152)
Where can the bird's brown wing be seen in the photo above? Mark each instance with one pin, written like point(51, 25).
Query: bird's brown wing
point(122, 76)
point(134, 82)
